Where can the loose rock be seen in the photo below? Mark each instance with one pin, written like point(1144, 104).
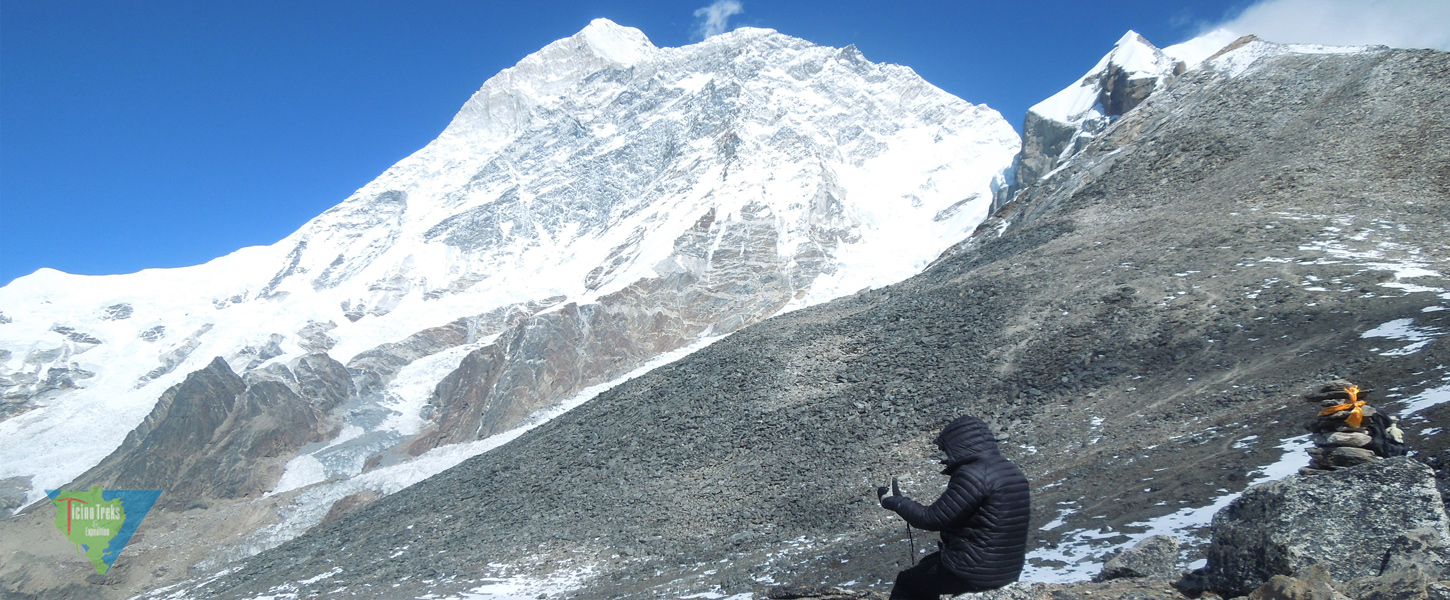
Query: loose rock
point(1156, 556)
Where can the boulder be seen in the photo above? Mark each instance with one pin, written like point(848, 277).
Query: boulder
point(1017, 590)
point(1310, 583)
point(1342, 456)
point(1156, 556)
point(795, 592)
point(1349, 519)
point(1357, 440)
point(1408, 583)
point(1418, 547)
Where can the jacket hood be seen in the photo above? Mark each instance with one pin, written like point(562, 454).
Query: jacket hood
point(966, 439)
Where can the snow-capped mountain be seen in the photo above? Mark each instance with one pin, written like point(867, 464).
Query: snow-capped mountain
point(597, 205)
point(1059, 126)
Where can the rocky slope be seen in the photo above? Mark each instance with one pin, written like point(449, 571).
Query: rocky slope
point(1138, 325)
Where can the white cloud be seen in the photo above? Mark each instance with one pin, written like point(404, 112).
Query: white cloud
point(1397, 23)
point(715, 18)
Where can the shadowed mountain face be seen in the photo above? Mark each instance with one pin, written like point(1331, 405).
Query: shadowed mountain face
point(1138, 327)
point(216, 435)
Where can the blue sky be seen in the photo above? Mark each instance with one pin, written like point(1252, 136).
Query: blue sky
point(167, 133)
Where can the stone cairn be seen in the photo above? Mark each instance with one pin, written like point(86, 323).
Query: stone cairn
point(1348, 431)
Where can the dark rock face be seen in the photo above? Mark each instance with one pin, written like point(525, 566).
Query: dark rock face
point(1120, 93)
point(216, 435)
point(12, 494)
point(1043, 141)
point(1156, 556)
point(1348, 519)
point(117, 312)
point(176, 355)
point(1161, 284)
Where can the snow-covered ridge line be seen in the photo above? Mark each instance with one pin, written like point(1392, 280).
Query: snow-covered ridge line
point(1137, 58)
point(1060, 126)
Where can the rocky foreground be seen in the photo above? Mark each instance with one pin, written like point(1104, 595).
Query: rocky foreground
point(1377, 531)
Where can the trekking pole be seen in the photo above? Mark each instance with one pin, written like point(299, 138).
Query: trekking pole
point(896, 491)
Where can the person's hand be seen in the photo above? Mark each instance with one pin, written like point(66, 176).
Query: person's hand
point(889, 502)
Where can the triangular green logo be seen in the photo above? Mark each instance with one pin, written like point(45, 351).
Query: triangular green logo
point(100, 522)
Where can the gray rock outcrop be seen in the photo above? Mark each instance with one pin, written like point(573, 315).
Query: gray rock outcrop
point(1349, 519)
point(1310, 583)
point(1156, 556)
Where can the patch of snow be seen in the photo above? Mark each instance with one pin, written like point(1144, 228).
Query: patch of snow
point(300, 472)
point(524, 588)
point(1404, 330)
point(1083, 550)
point(1058, 520)
point(1423, 400)
point(1238, 61)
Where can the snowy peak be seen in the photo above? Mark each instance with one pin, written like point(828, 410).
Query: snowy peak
point(1058, 127)
point(1120, 80)
point(1136, 55)
point(502, 106)
point(1244, 53)
point(623, 45)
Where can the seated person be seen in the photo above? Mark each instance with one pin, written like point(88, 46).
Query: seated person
point(982, 517)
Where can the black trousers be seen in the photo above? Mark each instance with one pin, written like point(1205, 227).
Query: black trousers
point(928, 580)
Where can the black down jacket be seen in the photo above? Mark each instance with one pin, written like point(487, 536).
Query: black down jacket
point(982, 515)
